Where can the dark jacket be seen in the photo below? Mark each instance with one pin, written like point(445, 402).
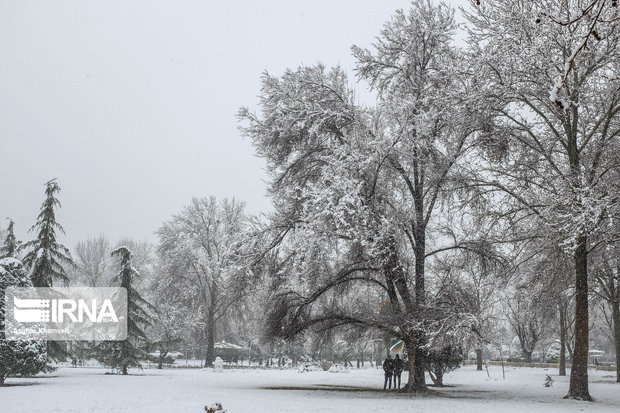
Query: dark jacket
point(398, 365)
point(388, 367)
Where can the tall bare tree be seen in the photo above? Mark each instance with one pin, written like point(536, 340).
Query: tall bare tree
point(550, 70)
point(202, 250)
point(357, 191)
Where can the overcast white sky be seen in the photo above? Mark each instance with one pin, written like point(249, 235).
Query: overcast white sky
point(132, 104)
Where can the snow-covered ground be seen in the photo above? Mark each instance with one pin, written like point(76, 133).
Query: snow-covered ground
point(254, 391)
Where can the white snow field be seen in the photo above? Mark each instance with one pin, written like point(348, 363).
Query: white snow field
point(255, 391)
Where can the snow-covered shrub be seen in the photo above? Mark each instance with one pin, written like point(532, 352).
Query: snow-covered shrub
point(553, 352)
point(549, 381)
point(17, 357)
point(215, 408)
point(308, 367)
point(441, 361)
point(338, 368)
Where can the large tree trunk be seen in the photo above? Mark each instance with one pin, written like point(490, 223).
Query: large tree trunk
point(616, 320)
point(420, 371)
point(562, 357)
point(479, 359)
point(420, 298)
point(411, 353)
point(578, 388)
point(420, 251)
point(527, 356)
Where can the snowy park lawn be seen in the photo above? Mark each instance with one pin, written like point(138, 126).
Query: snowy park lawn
point(250, 391)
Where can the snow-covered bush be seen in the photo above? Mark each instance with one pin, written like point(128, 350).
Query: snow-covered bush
point(308, 367)
point(215, 408)
point(549, 381)
point(441, 361)
point(17, 357)
point(553, 352)
point(325, 364)
point(338, 368)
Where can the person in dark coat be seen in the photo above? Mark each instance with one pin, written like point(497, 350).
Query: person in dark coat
point(398, 369)
point(388, 370)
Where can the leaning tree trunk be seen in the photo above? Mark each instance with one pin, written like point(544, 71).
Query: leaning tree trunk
point(438, 376)
point(562, 357)
point(578, 388)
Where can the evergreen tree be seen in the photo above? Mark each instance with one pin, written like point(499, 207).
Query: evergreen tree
point(46, 256)
point(10, 243)
point(17, 357)
point(122, 355)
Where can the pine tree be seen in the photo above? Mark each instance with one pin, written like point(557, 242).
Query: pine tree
point(10, 243)
point(125, 354)
point(46, 256)
point(17, 357)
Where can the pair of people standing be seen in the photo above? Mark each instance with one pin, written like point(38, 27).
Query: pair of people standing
point(392, 368)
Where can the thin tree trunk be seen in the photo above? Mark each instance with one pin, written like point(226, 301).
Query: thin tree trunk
point(578, 388)
point(562, 357)
point(210, 357)
point(479, 359)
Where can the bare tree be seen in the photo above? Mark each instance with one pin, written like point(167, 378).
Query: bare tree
point(559, 148)
point(93, 262)
point(357, 191)
point(530, 318)
point(202, 251)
